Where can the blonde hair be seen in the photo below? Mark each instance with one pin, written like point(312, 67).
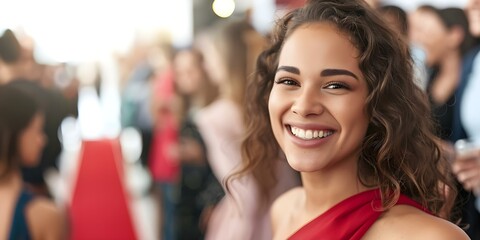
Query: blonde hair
point(239, 45)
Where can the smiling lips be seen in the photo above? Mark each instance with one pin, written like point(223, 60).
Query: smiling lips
point(307, 134)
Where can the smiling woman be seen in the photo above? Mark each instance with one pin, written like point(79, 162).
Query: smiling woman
point(335, 91)
point(323, 95)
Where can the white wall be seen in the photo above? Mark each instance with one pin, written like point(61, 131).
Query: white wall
point(83, 30)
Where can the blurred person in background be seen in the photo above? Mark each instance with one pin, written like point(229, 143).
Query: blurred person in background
point(199, 190)
point(11, 58)
point(230, 49)
point(375, 4)
point(445, 36)
point(19, 67)
point(398, 19)
point(466, 125)
point(446, 39)
point(24, 215)
point(163, 156)
point(136, 97)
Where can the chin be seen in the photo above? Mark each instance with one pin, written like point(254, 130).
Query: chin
point(304, 165)
point(476, 31)
point(30, 162)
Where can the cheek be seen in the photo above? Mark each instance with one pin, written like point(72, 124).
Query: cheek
point(361, 123)
point(474, 20)
point(436, 42)
point(357, 124)
point(276, 108)
point(273, 105)
point(184, 85)
point(215, 67)
point(350, 114)
point(196, 80)
point(271, 110)
point(25, 150)
point(30, 148)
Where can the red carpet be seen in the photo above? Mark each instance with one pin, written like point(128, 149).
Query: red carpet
point(99, 207)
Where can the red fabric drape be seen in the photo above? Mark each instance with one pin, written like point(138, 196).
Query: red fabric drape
point(349, 219)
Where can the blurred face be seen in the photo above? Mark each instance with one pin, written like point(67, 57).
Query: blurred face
point(214, 64)
point(32, 140)
point(433, 37)
point(415, 27)
point(473, 14)
point(317, 103)
point(188, 73)
point(393, 21)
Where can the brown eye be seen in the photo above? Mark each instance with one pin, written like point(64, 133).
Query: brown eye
point(287, 81)
point(336, 85)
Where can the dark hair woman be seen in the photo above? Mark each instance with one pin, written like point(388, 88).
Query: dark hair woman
point(335, 90)
point(21, 143)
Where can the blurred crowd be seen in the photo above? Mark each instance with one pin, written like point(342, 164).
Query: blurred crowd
point(187, 106)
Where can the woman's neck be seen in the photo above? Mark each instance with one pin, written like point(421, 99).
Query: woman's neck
point(224, 91)
point(325, 189)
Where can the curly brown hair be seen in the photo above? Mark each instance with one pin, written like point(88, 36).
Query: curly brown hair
point(400, 152)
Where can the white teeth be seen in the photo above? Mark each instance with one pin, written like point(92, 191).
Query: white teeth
point(301, 133)
point(309, 134)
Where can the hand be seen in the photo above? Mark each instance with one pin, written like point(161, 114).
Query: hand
point(467, 169)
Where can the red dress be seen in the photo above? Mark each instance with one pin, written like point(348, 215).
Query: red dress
point(162, 162)
point(350, 219)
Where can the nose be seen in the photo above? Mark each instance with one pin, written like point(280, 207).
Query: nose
point(308, 103)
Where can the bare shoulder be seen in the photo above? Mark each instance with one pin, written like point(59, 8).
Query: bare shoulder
point(45, 219)
point(283, 205)
point(406, 222)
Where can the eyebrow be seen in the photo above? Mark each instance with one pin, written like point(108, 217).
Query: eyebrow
point(325, 73)
point(289, 69)
point(334, 72)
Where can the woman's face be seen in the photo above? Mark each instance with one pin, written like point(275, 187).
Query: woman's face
point(433, 37)
point(32, 140)
point(188, 73)
point(317, 103)
point(214, 63)
point(473, 14)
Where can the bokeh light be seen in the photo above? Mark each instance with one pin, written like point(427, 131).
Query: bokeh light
point(223, 8)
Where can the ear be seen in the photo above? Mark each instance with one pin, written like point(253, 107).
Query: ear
point(456, 36)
